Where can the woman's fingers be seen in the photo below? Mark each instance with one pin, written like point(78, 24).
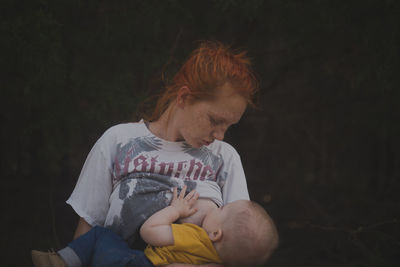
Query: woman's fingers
point(175, 193)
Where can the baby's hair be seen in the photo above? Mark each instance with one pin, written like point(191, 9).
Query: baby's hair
point(250, 236)
point(208, 68)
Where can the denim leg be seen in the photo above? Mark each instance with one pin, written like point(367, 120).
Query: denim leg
point(112, 251)
point(117, 257)
point(101, 247)
point(84, 246)
point(138, 259)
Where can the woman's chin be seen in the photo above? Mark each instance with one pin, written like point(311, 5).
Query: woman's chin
point(196, 144)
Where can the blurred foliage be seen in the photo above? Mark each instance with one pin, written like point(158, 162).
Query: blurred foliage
point(321, 152)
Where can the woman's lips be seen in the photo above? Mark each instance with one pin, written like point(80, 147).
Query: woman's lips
point(206, 143)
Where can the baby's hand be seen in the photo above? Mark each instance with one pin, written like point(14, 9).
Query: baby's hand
point(184, 205)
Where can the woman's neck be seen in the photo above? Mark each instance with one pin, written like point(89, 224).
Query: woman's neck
point(164, 127)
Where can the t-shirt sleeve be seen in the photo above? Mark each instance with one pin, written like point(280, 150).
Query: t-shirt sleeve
point(90, 198)
point(191, 238)
point(232, 178)
point(184, 236)
point(191, 245)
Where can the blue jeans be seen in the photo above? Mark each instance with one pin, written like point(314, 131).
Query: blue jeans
point(101, 247)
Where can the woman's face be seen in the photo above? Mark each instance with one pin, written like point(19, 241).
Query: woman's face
point(203, 121)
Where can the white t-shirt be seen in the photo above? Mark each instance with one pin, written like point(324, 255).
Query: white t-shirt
point(129, 174)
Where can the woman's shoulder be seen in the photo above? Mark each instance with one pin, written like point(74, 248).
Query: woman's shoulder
point(224, 148)
point(127, 126)
point(125, 131)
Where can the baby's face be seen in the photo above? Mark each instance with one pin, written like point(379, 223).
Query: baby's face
point(217, 216)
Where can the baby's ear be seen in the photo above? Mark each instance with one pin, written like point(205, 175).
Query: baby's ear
point(216, 235)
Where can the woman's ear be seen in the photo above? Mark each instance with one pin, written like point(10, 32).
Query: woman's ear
point(216, 235)
point(183, 96)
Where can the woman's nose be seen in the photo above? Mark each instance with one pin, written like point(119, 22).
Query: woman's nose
point(219, 135)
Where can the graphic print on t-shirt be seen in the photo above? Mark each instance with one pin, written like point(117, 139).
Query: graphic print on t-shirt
point(205, 155)
point(199, 164)
point(128, 152)
point(139, 196)
point(129, 173)
point(144, 174)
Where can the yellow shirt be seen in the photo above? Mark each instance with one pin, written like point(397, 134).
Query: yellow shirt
point(191, 245)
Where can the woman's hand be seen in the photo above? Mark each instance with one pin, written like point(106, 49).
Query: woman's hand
point(82, 228)
point(184, 205)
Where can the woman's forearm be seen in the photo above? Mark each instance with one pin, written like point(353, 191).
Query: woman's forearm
point(82, 228)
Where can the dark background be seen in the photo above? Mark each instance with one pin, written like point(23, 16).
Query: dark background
point(321, 152)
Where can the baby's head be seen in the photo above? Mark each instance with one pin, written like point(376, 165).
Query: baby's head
point(243, 233)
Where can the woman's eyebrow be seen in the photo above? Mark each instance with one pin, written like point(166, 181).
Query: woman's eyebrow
point(216, 119)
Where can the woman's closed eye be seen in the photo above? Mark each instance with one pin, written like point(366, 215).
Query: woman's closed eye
point(215, 121)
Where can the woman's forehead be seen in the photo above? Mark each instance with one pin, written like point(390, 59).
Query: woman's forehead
point(230, 108)
point(224, 115)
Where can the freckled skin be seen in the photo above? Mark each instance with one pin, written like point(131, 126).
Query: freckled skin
point(201, 122)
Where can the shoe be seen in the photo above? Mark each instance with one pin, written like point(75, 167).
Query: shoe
point(47, 259)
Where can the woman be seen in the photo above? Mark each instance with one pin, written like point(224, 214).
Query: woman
point(131, 169)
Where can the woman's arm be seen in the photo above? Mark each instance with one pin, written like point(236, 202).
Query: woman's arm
point(91, 195)
point(82, 228)
point(234, 186)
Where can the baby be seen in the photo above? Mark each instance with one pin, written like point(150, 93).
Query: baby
point(238, 234)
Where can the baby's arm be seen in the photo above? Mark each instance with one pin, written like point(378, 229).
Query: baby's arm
point(157, 230)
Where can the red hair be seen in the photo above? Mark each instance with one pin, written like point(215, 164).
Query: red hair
point(208, 68)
